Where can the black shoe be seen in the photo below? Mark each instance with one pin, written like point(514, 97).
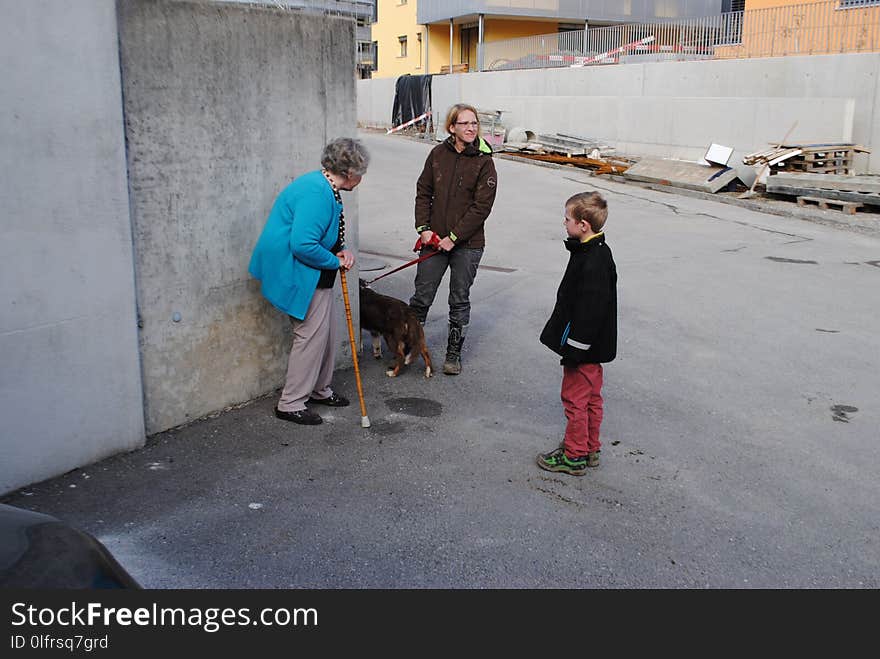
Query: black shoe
point(333, 400)
point(304, 417)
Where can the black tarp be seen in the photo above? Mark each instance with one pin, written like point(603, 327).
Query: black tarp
point(412, 98)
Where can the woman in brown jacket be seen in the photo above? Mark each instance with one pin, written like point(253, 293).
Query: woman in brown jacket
point(454, 196)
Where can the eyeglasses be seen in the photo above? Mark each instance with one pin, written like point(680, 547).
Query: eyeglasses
point(473, 124)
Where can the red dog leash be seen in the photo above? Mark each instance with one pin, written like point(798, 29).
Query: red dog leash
point(434, 244)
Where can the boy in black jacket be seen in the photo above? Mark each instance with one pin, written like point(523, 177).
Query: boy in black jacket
point(583, 329)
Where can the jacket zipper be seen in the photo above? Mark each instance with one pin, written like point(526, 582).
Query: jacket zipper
point(450, 192)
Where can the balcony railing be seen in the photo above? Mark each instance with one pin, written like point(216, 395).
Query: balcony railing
point(832, 26)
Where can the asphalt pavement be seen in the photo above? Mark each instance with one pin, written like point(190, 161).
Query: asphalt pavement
point(741, 446)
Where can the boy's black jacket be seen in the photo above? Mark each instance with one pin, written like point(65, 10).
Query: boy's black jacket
point(583, 325)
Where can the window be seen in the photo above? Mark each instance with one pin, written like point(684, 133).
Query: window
point(732, 5)
point(858, 3)
point(402, 40)
point(419, 40)
point(375, 56)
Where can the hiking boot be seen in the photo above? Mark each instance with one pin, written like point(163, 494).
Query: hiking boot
point(452, 365)
point(556, 460)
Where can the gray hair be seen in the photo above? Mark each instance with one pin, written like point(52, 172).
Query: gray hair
point(345, 156)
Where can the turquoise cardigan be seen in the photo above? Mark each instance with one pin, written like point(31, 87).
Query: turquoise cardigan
point(295, 243)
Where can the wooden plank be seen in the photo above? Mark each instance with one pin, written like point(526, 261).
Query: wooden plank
point(785, 155)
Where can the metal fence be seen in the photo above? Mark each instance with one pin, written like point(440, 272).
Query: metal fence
point(832, 26)
point(818, 28)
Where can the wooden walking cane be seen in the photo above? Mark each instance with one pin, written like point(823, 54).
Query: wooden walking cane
point(365, 420)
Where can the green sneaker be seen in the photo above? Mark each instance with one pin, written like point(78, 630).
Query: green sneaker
point(556, 460)
point(592, 458)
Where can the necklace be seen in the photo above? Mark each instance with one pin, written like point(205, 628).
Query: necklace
point(338, 198)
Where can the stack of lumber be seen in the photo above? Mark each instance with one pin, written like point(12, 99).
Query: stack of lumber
point(808, 158)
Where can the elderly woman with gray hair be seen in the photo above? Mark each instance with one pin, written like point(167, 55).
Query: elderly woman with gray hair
point(296, 259)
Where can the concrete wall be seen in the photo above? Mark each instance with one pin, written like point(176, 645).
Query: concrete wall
point(375, 101)
point(224, 105)
point(672, 108)
point(70, 388)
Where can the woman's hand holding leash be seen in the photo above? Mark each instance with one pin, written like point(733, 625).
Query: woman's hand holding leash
point(427, 239)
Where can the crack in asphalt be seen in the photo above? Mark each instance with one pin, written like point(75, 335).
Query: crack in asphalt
point(675, 209)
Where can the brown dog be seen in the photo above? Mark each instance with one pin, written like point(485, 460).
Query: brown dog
point(391, 318)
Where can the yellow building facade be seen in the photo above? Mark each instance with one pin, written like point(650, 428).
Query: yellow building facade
point(403, 46)
point(399, 42)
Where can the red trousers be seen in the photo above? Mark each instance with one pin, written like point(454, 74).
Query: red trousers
point(582, 401)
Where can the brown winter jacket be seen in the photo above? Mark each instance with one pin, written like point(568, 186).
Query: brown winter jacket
point(455, 192)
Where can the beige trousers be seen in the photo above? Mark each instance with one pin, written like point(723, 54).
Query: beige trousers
point(312, 355)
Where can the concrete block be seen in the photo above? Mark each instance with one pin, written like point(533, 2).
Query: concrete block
point(690, 175)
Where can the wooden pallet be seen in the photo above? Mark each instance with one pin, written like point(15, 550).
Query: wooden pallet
point(456, 68)
point(842, 169)
point(848, 207)
point(808, 158)
point(815, 161)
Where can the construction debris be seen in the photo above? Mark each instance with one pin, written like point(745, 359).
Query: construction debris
point(849, 207)
point(718, 154)
point(861, 183)
point(574, 145)
point(682, 174)
point(585, 152)
point(864, 190)
point(808, 158)
point(568, 145)
point(600, 166)
point(490, 126)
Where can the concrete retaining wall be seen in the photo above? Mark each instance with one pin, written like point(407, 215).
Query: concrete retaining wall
point(70, 387)
point(675, 109)
point(224, 105)
point(375, 101)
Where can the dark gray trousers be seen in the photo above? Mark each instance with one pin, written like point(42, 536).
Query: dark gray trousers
point(462, 263)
